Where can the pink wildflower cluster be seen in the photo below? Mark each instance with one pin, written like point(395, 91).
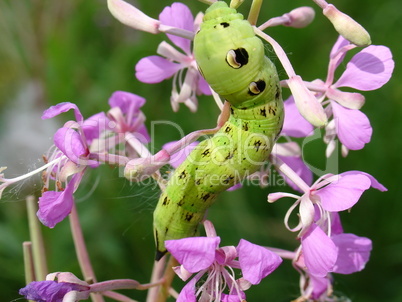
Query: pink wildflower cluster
point(210, 270)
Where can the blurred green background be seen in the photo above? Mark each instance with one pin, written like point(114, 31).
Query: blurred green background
point(55, 51)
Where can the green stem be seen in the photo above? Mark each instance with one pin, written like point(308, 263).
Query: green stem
point(28, 262)
point(157, 273)
point(38, 247)
point(168, 279)
point(254, 11)
point(82, 253)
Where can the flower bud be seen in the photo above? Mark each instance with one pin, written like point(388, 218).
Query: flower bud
point(308, 105)
point(133, 17)
point(300, 17)
point(347, 27)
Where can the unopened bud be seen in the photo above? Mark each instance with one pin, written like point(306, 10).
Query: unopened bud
point(132, 16)
point(306, 103)
point(347, 27)
point(300, 17)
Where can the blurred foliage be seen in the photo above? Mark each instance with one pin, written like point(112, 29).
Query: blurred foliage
point(75, 51)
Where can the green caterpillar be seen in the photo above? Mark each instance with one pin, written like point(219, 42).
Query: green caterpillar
point(231, 58)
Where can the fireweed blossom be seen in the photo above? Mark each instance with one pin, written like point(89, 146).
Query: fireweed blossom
point(203, 256)
point(321, 241)
point(155, 69)
point(65, 286)
point(83, 143)
point(369, 69)
point(353, 252)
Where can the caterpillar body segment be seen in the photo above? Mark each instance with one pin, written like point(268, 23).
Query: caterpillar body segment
point(231, 58)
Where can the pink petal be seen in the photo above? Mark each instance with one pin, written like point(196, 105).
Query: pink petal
point(94, 126)
point(340, 42)
point(354, 253)
point(55, 206)
point(320, 285)
point(203, 86)
point(60, 108)
point(343, 194)
point(256, 262)
point(319, 252)
point(194, 253)
point(187, 294)
point(294, 124)
point(369, 69)
point(374, 182)
point(178, 15)
point(353, 127)
point(70, 143)
point(155, 69)
point(351, 100)
point(129, 103)
point(336, 225)
point(233, 297)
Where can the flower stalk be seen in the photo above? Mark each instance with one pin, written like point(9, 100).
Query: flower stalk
point(38, 246)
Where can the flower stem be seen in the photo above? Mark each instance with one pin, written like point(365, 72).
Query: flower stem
point(82, 253)
point(285, 169)
point(168, 278)
point(254, 11)
point(28, 262)
point(38, 247)
point(157, 272)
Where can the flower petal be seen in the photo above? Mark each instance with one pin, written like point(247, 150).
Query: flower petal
point(374, 182)
point(129, 103)
point(94, 126)
point(70, 143)
point(194, 253)
point(55, 206)
point(340, 42)
point(344, 193)
point(354, 253)
point(294, 124)
point(352, 126)
point(256, 262)
point(203, 86)
point(319, 252)
point(178, 15)
point(60, 108)
point(49, 290)
point(351, 100)
point(369, 69)
point(187, 293)
point(336, 225)
point(320, 285)
point(155, 69)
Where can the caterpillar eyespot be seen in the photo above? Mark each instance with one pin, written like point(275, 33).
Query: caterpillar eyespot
point(237, 69)
point(256, 87)
point(236, 58)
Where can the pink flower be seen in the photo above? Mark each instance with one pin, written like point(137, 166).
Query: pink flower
point(202, 255)
point(155, 69)
point(320, 232)
point(369, 69)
